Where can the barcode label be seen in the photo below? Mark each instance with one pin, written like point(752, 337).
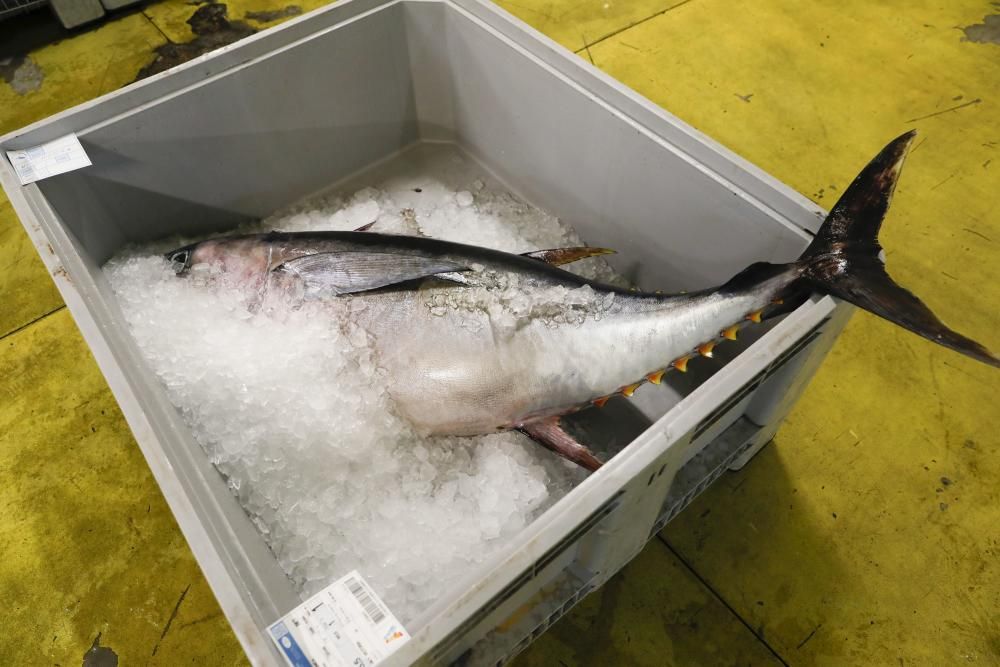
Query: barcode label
point(372, 609)
point(344, 625)
point(56, 157)
point(27, 174)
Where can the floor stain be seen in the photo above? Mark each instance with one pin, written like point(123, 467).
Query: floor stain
point(987, 32)
point(274, 14)
point(170, 620)
point(213, 30)
point(22, 73)
point(938, 113)
point(809, 636)
point(99, 656)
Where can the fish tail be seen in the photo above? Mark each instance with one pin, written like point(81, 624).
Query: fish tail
point(843, 259)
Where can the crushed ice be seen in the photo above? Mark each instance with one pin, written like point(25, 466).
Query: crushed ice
point(291, 409)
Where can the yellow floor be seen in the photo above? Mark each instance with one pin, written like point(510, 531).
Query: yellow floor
point(867, 533)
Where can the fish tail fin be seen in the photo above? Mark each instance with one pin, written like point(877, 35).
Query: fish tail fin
point(843, 259)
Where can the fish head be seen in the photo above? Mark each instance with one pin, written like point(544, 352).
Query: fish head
point(240, 259)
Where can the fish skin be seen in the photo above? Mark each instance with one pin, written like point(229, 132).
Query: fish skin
point(455, 374)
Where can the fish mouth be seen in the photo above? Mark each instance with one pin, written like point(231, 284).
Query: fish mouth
point(180, 259)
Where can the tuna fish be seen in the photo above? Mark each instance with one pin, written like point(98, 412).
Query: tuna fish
point(477, 341)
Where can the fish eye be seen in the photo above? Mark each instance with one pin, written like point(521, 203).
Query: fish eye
point(179, 260)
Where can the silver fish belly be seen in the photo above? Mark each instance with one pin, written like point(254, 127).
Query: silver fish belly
point(466, 368)
point(468, 383)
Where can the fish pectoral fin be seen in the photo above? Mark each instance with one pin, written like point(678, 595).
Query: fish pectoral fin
point(559, 256)
point(349, 271)
point(550, 434)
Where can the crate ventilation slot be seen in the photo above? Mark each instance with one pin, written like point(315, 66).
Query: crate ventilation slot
point(557, 550)
point(679, 504)
point(549, 620)
point(754, 382)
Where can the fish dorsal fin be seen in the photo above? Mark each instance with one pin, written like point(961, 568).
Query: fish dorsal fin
point(350, 271)
point(559, 256)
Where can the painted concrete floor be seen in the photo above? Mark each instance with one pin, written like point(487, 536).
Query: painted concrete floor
point(867, 533)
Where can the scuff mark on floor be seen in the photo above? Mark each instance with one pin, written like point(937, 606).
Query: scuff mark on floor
point(949, 109)
point(170, 620)
point(266, 16)
point(99, 656)
point(213, 30)
point(987, 32)
point(974, 232)
point(809, 636)
point(22, 73)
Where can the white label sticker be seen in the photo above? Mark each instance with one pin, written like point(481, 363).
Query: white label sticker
point(344, 625)
point(56, 157)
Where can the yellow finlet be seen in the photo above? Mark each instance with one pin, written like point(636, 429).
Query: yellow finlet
point(778, 302)
point(681, 364)
point(629, 390)
point(755, 316)
point(730, 333)
point(655, 377)
point(706, 349)
point(599, 402)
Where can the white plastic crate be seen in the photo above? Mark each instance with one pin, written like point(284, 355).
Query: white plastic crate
point(363, 84)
